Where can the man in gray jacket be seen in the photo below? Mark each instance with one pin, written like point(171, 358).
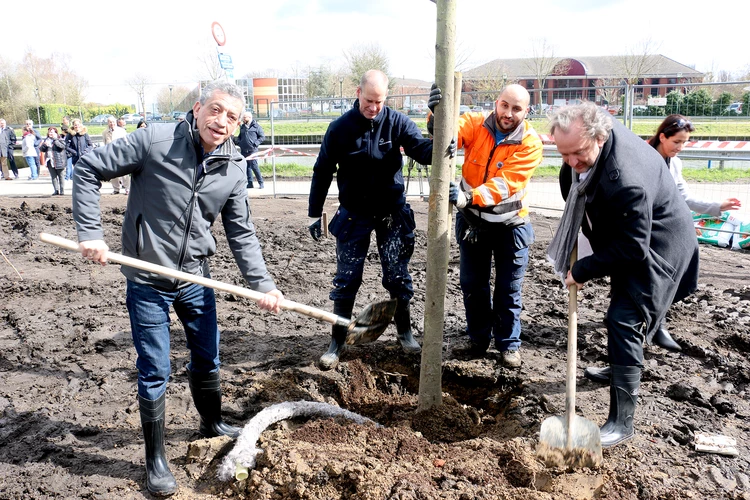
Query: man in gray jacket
point(184, 176)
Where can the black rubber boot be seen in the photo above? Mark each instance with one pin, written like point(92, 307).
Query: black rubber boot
point(663, 339)
point(623, 397)
point(338, 335)
point(206, 391)
point(403, 327)
point(598, 375)
point(159, 479)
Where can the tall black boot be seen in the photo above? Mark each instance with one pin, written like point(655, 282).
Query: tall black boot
point(623, 397)
point(663, 339)
point(159, 479)
point(403, 327)
point(598, 375)
point(206, 391)
point(338, 335)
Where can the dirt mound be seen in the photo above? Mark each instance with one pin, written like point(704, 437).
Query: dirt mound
point(69, 424)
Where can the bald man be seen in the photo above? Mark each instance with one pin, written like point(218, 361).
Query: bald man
point(365, 144)
point(501, 151)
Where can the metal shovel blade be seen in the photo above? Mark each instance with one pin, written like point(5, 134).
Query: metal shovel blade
point(583, 449)
point(370, 324)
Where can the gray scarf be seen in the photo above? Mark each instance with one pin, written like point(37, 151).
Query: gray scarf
point(566, 237)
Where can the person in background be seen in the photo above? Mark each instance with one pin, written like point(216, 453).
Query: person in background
point(121, 123)
point(641, 235)
point(112, 133)
point(669, 139)
point(249, 140)
point(363, 149)
point(56, 158)
point(141, 124)
point(37, 142)
point(77, 142)
point(30, 154)
point(64, 131)
point(501, 152)
point(185, 176)
point(7, 141)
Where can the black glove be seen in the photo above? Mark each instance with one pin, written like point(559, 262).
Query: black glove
point(458, 197)
point(435, 96)
point(452, 149)
point(315, 230)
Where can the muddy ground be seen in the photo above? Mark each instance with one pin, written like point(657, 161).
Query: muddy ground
point(69, 422)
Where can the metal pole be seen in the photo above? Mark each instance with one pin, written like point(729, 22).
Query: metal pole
point(171, 108)
point(38, 114)
point(341, 93)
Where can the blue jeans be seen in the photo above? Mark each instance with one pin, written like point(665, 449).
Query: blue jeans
point(69, 169)
point(253, 169)
point(394, 235)
point(195, 306)
point(31, 162)
point(498, 314)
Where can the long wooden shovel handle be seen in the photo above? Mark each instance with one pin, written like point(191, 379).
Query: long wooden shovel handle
point(570, 380)
point(200, 280)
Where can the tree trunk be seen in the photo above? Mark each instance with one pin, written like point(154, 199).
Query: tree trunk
point(438, 226)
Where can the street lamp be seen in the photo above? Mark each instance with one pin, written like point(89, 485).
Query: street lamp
point(38, 114)
point(171, 110)
point(341, 93)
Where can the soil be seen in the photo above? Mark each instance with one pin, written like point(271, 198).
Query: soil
point(69, 420)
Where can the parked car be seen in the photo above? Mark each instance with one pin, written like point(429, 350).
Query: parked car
point(179, 115)
point(463, 109)
point(152, 116)
point(734, 109)
point(132, 118)
point(477, 109)
point(100, 119)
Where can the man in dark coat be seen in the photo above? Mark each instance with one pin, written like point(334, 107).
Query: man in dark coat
point(249, 140)
point(641, 234)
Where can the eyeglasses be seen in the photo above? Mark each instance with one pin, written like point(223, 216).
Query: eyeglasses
point(681, 124)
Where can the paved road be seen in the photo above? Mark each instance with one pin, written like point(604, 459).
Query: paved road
point(544, 196)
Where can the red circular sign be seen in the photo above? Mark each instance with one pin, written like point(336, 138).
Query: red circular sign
point(218, 32)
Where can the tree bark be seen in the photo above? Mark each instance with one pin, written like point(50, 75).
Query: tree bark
point(438, 225)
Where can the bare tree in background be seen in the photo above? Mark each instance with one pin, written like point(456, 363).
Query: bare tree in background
point(138, 83)
point(208, 57)
point(363, 57)
point(638, 61)
point(167, 101)
point(489, 85)
point(610, 90)
point(543, 63)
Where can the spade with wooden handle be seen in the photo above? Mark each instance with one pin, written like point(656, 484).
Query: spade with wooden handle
point(366, 327)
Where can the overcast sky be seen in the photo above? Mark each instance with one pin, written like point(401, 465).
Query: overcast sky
point(108, 42)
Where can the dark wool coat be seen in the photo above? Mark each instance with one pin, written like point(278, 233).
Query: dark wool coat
point(641, 230)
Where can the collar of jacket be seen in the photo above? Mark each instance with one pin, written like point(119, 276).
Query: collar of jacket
point(361, 118)
point(515, 137)
point(224, 152)
point(610, 167)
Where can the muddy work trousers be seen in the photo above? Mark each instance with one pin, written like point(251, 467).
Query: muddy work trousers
point(394, 235)
point(195, 306)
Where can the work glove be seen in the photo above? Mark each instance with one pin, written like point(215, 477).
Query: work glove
point(316, 231)
point(452, 149)
point(435, 96)
point(458, 197)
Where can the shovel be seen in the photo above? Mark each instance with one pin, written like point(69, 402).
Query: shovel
point(367, 327)
point(571, 440)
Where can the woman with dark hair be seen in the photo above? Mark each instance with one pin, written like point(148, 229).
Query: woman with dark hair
point(56, 159)
point(669, 140)
point(141, 124)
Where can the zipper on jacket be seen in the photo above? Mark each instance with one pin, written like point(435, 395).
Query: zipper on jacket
point(489, 160)
point(200, 171)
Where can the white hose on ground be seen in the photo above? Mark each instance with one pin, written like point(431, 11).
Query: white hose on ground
point(243, 455)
